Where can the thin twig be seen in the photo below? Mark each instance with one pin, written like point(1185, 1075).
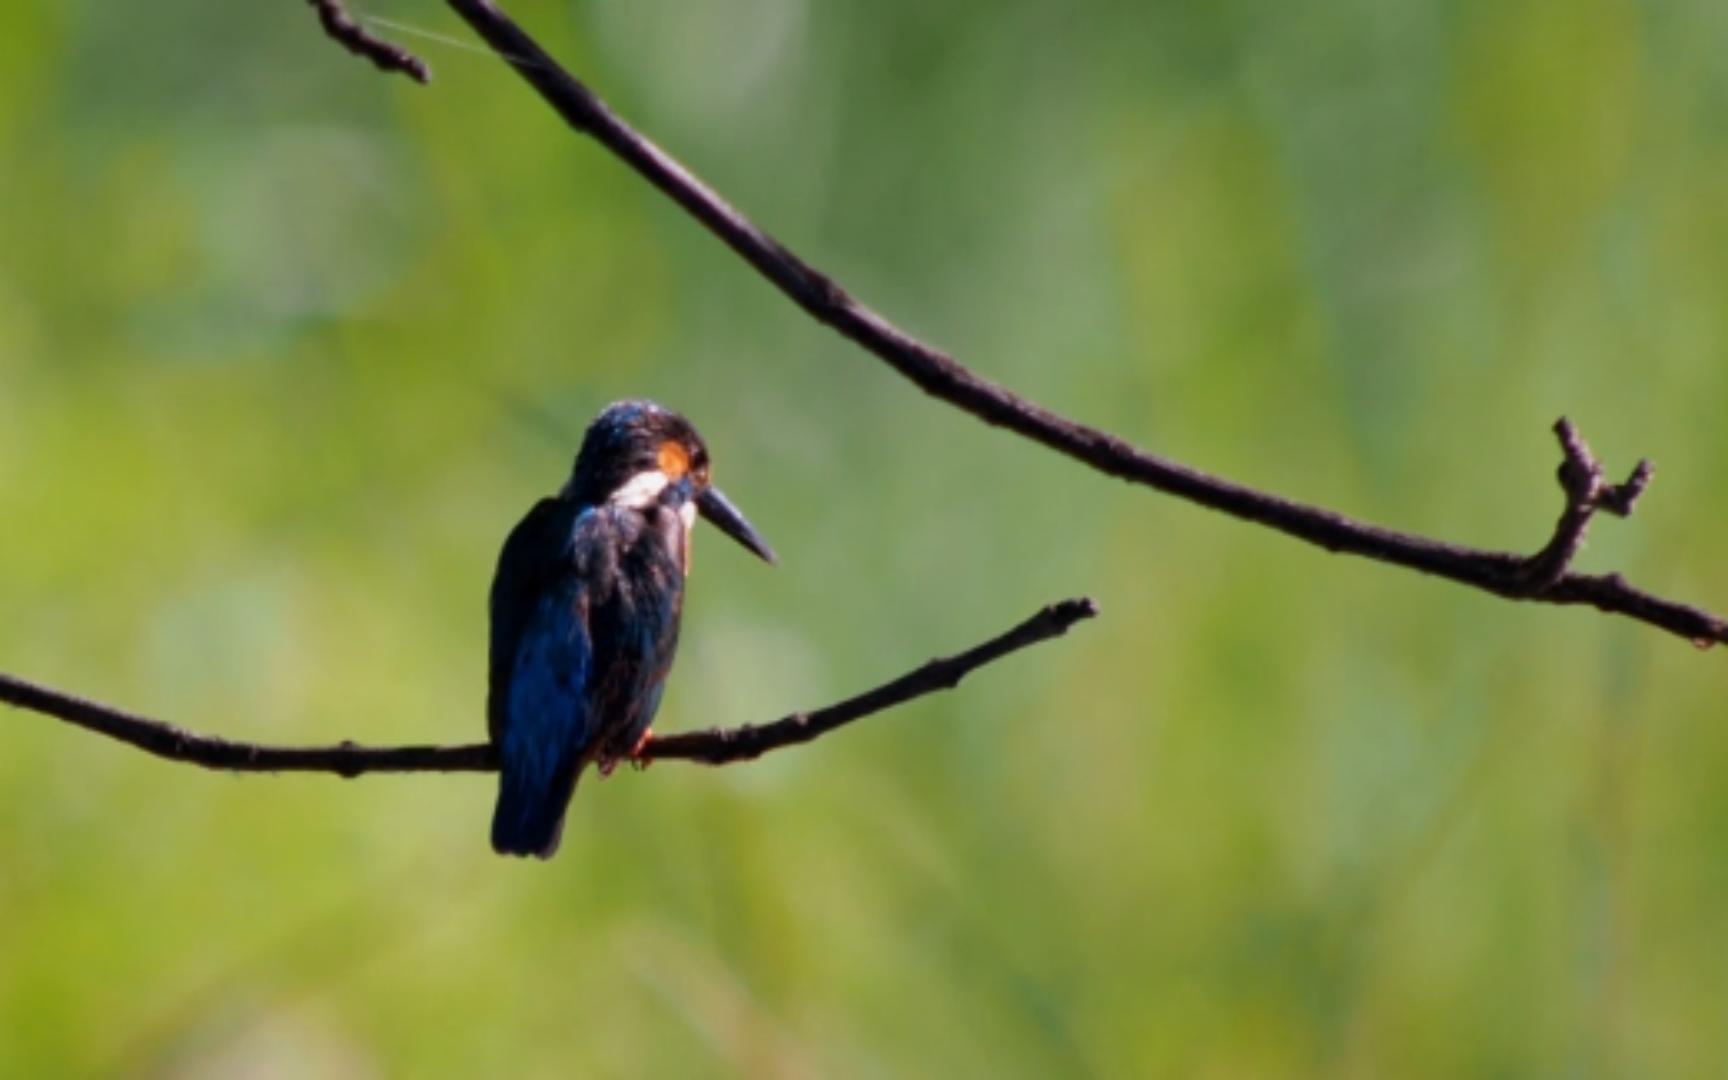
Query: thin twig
point(742, 744)
point(1504, 574)
point(346, 30)
point(716, 747)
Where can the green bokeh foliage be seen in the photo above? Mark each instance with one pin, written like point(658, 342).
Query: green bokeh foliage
point(286, 346)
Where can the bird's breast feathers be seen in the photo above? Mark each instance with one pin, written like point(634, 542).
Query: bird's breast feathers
point(647, 493)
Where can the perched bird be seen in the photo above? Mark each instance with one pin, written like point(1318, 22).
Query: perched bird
point(585, 607)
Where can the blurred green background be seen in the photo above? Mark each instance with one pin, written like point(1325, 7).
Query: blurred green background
point(287, 346)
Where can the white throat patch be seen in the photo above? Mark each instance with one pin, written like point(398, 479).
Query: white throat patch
point(640, 490)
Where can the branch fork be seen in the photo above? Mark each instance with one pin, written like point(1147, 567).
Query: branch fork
point(1587, 491)
point(1546, 577)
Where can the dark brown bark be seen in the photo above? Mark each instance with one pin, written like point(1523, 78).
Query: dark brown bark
point(714, 747)
point(345, 30)
point(1546, 577)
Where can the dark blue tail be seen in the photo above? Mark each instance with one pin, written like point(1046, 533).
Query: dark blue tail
point(529, 816)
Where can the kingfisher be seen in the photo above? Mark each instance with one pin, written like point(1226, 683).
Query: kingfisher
point(585, 608)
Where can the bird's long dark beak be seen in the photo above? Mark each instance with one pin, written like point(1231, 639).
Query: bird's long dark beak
point(725, 517)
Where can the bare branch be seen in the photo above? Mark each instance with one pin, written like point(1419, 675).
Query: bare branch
point(346, 31)
point(1586, 492)
point(1545, 577)
point(716, 747)
point(742, 744)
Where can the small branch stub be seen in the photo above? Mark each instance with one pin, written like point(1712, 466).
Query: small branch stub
point(1587, 491)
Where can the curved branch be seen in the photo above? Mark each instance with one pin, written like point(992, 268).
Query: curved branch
point(715, 747)
point(1504, 574)
point(345, 30)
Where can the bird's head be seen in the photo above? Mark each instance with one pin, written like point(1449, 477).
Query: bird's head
point(636, 452)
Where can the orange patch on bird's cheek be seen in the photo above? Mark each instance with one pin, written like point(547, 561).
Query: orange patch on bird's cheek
point(674, 460)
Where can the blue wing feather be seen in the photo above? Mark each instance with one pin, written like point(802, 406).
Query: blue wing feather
point(550, 727)
point(528, 568)
point(538, 707)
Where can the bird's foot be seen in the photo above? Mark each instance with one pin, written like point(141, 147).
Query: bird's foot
point(637, 760)
point(606, 763)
